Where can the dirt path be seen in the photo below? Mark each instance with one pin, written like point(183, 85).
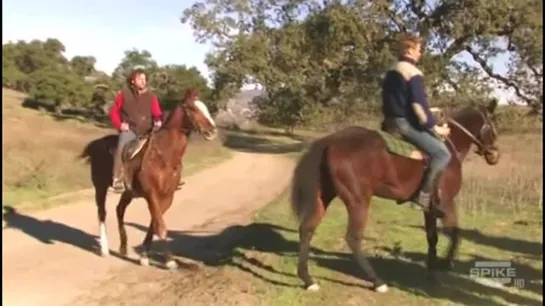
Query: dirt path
point(49, 258)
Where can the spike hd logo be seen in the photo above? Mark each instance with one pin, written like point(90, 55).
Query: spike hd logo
point(500, 272)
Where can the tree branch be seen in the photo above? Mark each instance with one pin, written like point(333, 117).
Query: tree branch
point(456, 46)
point(397, 21)
point(499, 77)
point(536, 73)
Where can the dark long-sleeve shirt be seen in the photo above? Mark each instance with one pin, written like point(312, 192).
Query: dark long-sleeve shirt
point(403, 95)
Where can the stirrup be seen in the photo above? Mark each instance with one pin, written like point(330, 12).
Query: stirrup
point(416, 203)
point(118, 186)
point(435, 208)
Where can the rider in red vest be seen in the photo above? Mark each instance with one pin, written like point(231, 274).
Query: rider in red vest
point(135, 111)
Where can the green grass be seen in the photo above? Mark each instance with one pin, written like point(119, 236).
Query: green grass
point(500, 215)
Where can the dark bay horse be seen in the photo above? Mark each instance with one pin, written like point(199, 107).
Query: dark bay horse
point(155, 169)
point(355, 165)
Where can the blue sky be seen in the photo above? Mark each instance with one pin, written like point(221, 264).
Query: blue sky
point(105, 29)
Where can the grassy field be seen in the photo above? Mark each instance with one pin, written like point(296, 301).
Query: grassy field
point(500, 213)
point(40, 152)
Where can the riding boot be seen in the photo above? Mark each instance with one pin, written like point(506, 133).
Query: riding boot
point(117, 180)
point(424, 197)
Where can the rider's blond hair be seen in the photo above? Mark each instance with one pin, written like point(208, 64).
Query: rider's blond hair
point(409, 42)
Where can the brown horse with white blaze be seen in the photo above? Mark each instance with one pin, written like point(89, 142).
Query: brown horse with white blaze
point(155, 166)
point(355, 164)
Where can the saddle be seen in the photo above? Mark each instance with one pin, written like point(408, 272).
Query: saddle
point(130, 151)
point(134, 147)
point(397, 144)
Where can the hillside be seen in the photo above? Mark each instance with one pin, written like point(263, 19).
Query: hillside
point(39, 152)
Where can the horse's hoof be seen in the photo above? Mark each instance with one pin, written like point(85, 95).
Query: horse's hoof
point(314, 287)
point(382, 288)
point(144, 261)
point(171, 265)
point(104, 252)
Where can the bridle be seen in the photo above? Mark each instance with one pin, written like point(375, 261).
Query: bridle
point(477, 140)
point(189, 117)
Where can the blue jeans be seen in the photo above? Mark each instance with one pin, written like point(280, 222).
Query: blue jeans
point(437, 150)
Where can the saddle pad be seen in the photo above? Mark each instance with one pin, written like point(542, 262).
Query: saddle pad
point(396, 145)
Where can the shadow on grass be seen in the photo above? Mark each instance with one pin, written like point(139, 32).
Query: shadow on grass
point(531, 248)
point(261, 142)
point(249, 249)
point(411, 277)
point(268, 132)
point(98, 122)
point(95, 116)
point(226, 248)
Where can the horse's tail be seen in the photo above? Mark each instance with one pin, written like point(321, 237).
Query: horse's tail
point(97, 148)
point(306, 177)
point(87, 152)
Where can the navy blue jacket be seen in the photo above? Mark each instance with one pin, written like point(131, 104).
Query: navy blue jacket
point(403, 95)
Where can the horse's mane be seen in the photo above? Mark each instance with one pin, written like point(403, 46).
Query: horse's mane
point(171, 113)
point(463, 113)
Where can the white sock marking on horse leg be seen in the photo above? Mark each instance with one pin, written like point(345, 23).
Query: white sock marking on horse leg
point(144, 261)
point(382, 288)
point(104, 248)
point(171, 264)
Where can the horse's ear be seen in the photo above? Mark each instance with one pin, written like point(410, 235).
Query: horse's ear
point(491, 107)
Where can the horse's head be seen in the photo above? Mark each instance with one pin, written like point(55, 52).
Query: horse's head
point(199, 116)
point(479, 125)
point(488, 134)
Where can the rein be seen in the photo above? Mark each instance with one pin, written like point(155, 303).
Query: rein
point(474, 139)
point(468, 133)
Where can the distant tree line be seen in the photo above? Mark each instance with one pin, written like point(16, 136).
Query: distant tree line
point(40, 69)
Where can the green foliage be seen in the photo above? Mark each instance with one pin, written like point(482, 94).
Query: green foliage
point(62, 88)
point(83, 65)
point(171, 82)
point(328, 57)
point(40, 69)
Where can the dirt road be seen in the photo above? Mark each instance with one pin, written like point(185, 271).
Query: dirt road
point(50, 258)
